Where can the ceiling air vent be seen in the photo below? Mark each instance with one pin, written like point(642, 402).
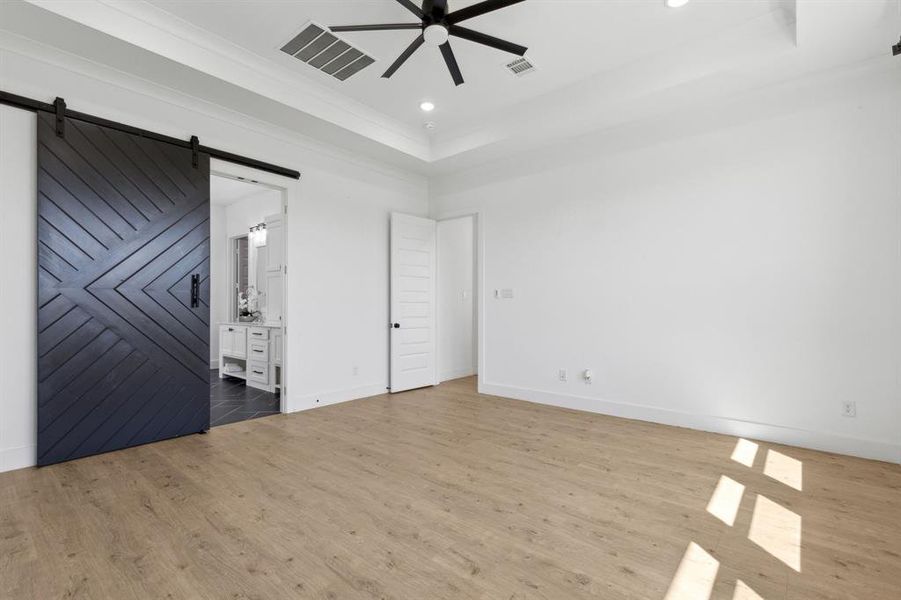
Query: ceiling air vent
point(521, 66)
point(321, 49)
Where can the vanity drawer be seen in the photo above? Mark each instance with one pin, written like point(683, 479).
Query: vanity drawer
point(258, 333)
point(258, 372)
point(259, 350)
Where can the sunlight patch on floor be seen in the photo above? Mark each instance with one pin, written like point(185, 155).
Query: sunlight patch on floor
point(695, 577)
point(725, 500)
point(744, 592)
point(745, 452)
point(784, 468)
point(777, 530)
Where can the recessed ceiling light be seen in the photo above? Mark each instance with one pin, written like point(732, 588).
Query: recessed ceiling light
point(676, 3)
point(427, 106)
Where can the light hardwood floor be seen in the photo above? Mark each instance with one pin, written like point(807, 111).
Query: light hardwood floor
point(443, 493)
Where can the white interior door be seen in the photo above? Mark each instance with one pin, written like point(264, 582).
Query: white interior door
point(413, 347)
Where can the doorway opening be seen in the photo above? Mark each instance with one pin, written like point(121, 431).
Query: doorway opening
point(457, 294)
point(247, 288)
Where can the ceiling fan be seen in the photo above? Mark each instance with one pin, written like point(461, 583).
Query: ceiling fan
point(437, 25)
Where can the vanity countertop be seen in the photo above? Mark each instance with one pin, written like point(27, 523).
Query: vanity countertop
point(251, 324)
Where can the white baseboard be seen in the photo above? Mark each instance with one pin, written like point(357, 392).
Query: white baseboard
point(815, 440)
point(214, 363)
point(309, 401)
point(456, 373)
point(18, 458)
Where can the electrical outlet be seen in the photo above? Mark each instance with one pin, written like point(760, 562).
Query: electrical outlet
point(849, 408)
point(356, 370)
point(561, 374)
point(588, 376)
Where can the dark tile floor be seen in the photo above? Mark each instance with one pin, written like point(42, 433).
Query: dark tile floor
point(232, 401)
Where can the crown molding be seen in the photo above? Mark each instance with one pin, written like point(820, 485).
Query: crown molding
point(146, 26)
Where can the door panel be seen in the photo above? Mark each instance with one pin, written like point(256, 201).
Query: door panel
point(413, 347)
point(123, 351)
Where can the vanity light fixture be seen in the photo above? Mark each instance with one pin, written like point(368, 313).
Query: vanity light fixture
point(258, 235)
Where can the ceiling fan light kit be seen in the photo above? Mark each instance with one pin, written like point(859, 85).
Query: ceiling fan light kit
point(436, 27)
point(435, 35)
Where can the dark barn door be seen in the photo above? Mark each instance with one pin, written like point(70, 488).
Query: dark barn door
point(123, 290)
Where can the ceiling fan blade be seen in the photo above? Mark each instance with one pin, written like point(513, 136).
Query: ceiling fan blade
point(479, 9)
point(487, 40)
point(451, 61)
point(412, 8)
point(404, 56)
point(381, 27)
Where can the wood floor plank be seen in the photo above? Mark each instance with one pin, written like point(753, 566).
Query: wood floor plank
point(445, 494)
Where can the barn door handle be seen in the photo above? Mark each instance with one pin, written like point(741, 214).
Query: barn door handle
point(195, 290)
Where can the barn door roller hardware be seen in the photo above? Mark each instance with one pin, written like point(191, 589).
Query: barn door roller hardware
point(195, 145)
point(59, 106)
point(61, 112)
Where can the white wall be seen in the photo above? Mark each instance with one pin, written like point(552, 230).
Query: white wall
point(18, 288)
point(456, 306)
point(219, 292)
point(243, 214)
point(337, 253)
point(747, 280)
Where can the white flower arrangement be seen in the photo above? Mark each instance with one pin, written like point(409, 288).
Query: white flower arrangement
point(249, 303)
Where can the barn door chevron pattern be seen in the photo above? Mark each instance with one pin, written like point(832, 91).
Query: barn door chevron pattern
point(123, 352)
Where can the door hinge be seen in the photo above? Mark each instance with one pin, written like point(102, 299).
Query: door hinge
point(195, 151)
point(60, 105)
